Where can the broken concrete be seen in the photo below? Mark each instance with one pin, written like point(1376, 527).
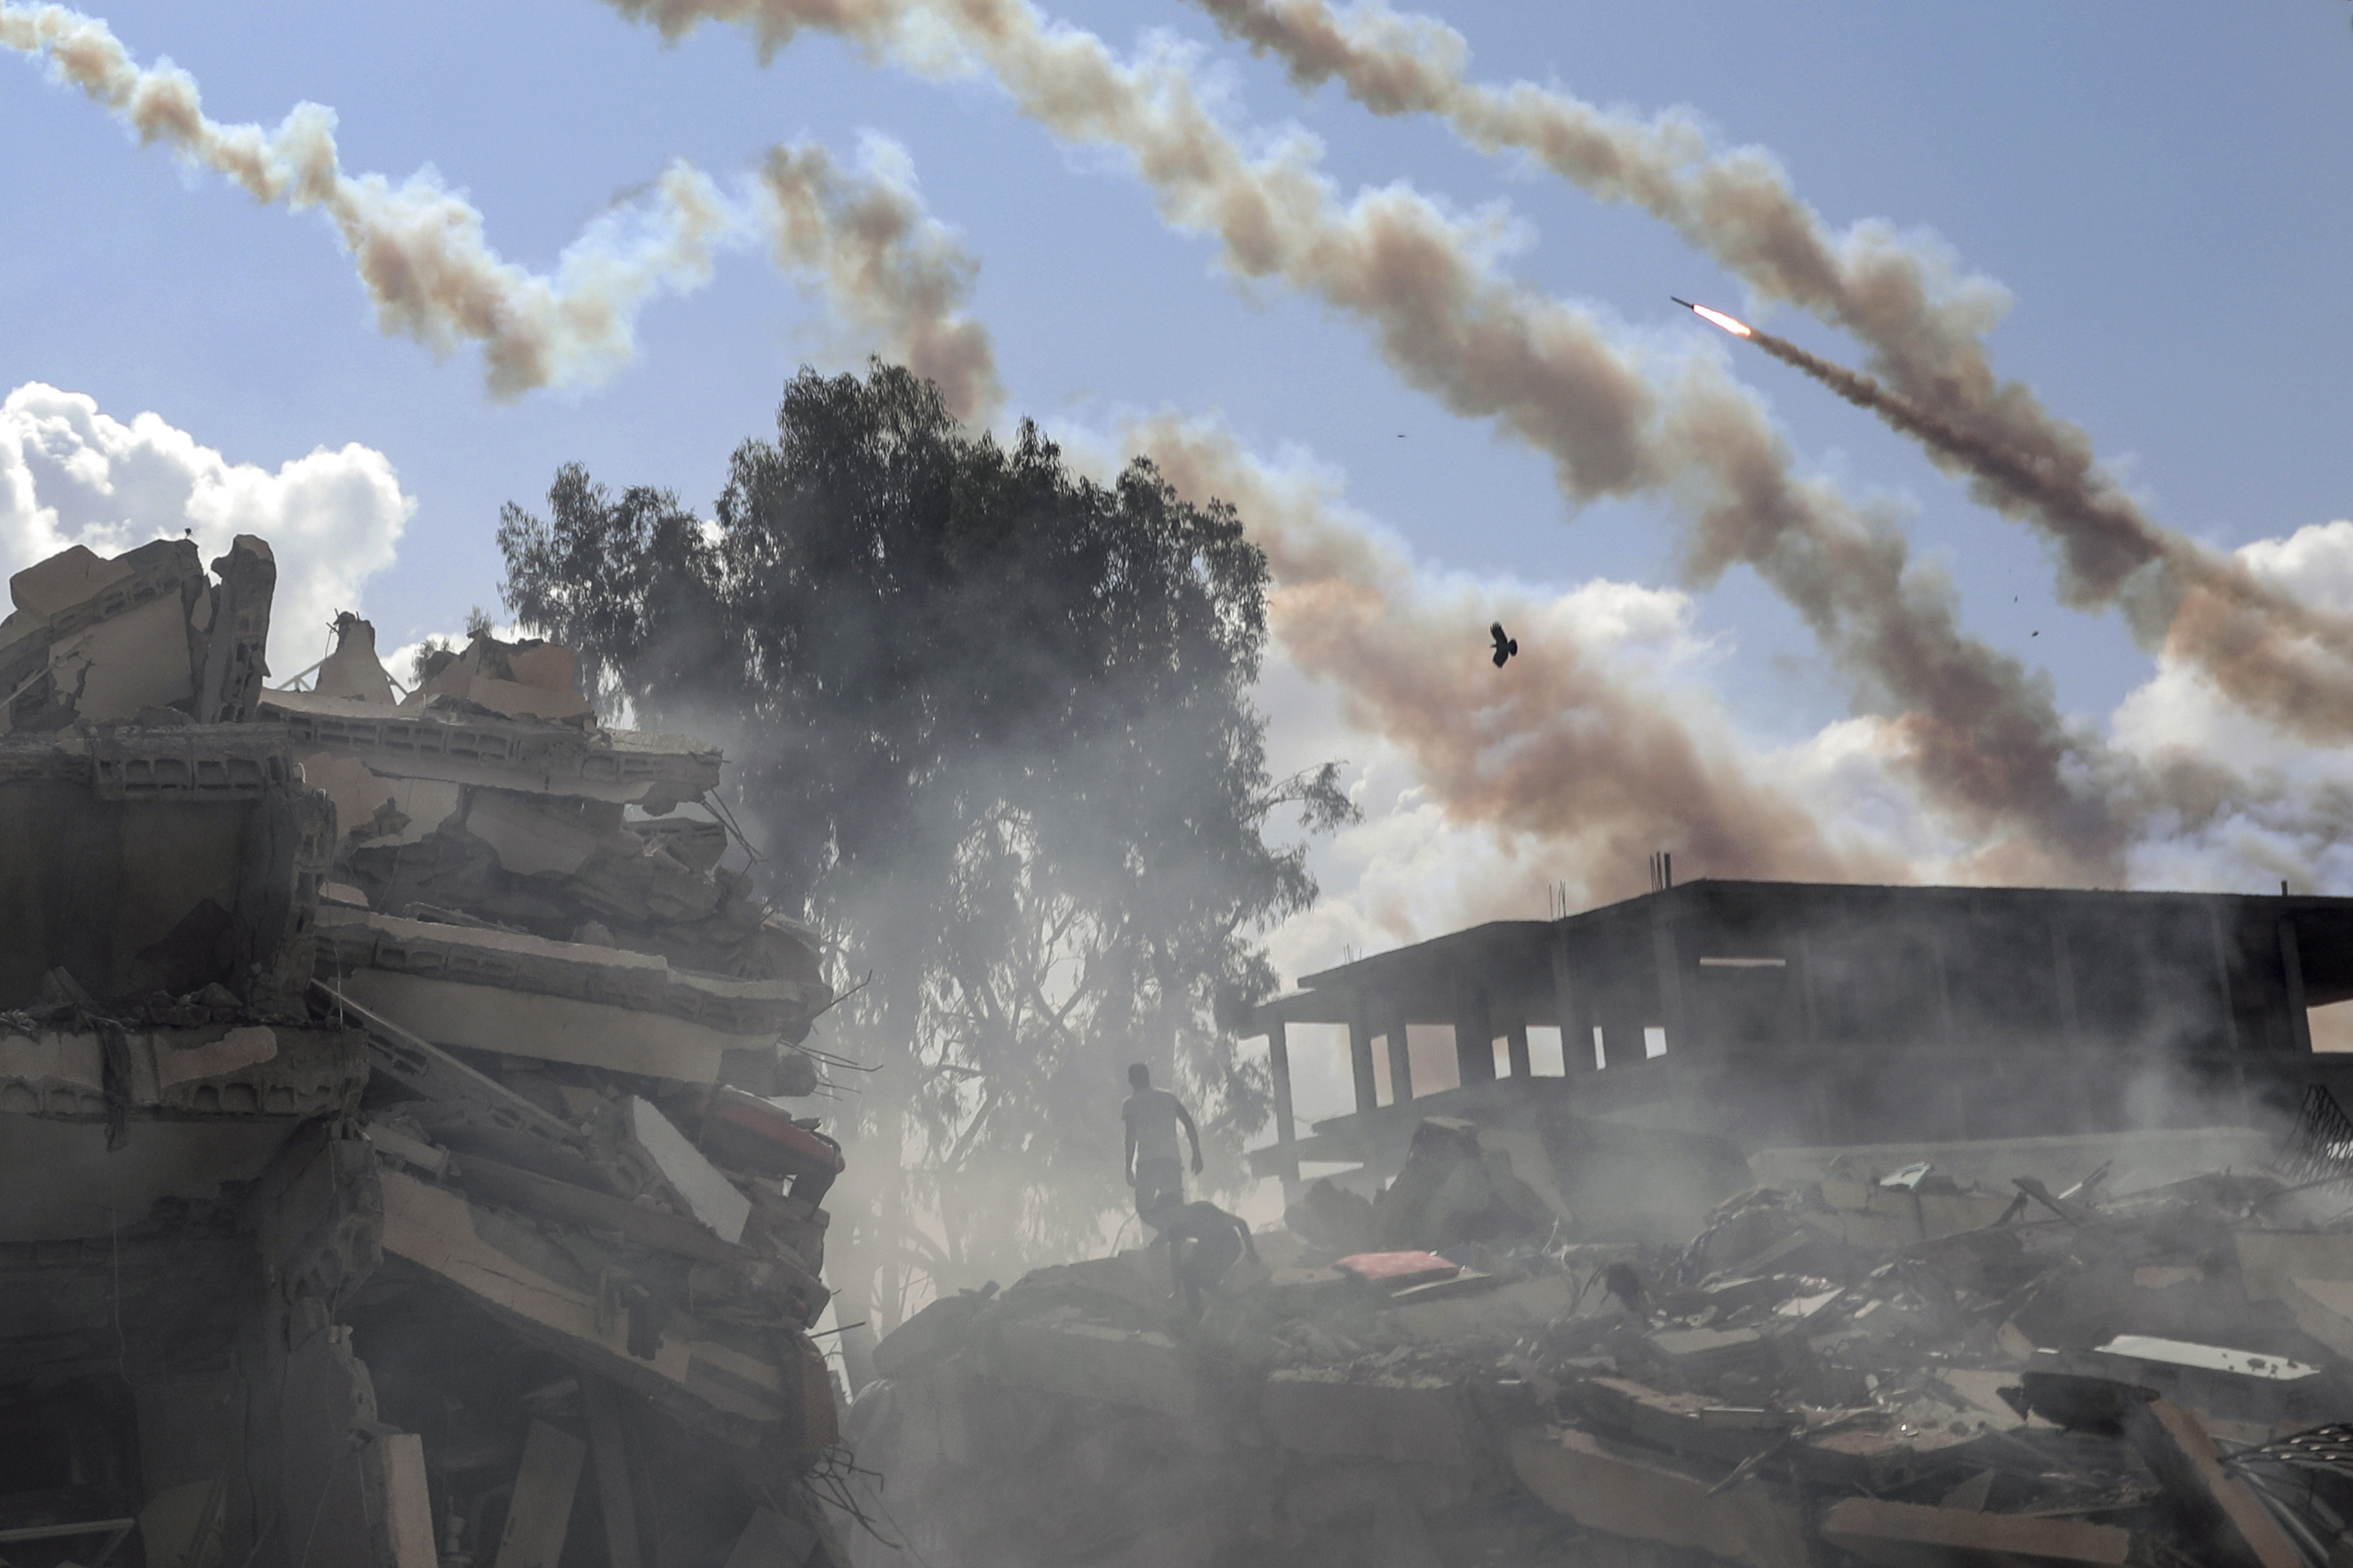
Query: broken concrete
point(343, 1178)
point(1643, 1498)
point(1771, 1390)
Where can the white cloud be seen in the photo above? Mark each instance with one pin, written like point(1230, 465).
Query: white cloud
point(71, 475)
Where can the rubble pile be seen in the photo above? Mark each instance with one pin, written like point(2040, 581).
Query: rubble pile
point(1874, 1365)
point(394, 1171)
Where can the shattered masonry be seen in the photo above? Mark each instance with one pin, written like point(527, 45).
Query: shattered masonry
point(391, 1171)
point(1877, 1359)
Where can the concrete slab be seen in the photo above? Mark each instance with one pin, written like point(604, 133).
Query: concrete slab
point(1404, 1420)
point(556, 1029)
point(710, 1196)
point(1138, 1368)
point(1509, 1309)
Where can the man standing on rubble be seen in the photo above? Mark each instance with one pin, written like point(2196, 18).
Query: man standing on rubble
point(1153, 1166)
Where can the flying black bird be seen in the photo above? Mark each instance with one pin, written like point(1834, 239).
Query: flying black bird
point(1504, 646)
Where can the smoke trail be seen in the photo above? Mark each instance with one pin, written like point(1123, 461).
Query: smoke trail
point(1558, 748)
point(420, 251)
point(884, 264)
point(2258, 642)
point(1925, 326)
point(1993, 748)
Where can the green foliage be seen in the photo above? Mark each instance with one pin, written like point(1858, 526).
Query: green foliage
point(991, 725)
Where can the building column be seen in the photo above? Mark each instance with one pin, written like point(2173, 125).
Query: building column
point(1806, 990)
point(1670, 978)
point(1575, 1036)
point(1515, 1048)
point(1360, 1058)
point(2063, 972)
point(1474, 1038)
point(1944, 987)
point(2299, 1026)
point(2223, 980)
point(1400, 1057)
point(1286, 1133)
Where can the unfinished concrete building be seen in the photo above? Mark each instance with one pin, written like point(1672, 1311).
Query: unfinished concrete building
point(1772, 1014)
point(394, 1171)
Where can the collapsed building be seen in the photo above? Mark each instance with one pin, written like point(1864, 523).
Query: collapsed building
point(1907, 1227)
point(1855, 1364)
point(395, 1167)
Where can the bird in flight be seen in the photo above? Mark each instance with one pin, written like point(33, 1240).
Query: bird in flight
point(1504, 646)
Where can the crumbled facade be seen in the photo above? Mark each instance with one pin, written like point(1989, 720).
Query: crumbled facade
point(396, 1166)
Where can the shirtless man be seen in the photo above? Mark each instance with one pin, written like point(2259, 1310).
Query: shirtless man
point(1153, 1165)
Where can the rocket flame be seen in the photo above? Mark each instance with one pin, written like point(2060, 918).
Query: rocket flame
point(1738, 329)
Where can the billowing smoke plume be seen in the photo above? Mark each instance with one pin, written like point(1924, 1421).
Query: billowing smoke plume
point(2289, 661)
point(1991, 746)
point(434, 279)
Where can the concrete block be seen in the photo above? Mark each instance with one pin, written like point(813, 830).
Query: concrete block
point(539, 1515)
point(59, 582)
point(177, 1063)
point(2324, 1308)
point(529, 839)
point(135, 660)
point(353, 670)
point(1138, 1368)
point(2269, 1260)
point(376, 810)
point(407, 1505)
point(1404, 1420)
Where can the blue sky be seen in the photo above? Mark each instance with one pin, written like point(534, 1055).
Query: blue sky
point(2162, 187)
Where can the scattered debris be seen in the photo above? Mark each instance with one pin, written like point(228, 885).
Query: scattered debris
point(1878, 1366)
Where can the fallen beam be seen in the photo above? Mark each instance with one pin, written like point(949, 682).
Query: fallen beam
point(2230, 1524)
point(1907, 1535)
point(540, 1514)
point(1606, 1488)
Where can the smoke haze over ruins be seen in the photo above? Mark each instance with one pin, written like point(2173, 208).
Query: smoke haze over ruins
point(1759, 631)
point(656, 647)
